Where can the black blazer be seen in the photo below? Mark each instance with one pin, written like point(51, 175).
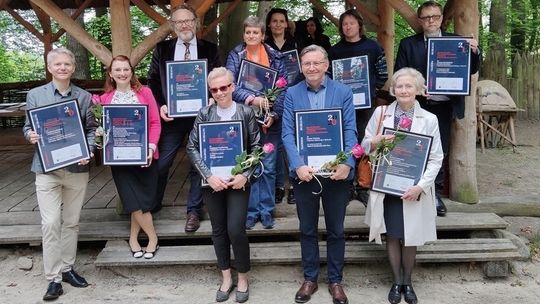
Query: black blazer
point(164, 51)
point(412, 53)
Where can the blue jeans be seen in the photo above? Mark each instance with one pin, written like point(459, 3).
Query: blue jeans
point(262, 198)
point(171, 139)
point(280, 166)
point(335, 195)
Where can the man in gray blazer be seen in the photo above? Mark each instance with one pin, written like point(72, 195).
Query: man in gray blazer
point(60, 193)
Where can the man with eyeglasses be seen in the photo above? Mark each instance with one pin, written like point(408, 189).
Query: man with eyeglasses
point(412, 53)
point(318, 91)
point(186, 46)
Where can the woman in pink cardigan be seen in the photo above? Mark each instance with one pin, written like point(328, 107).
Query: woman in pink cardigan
point(137, 185)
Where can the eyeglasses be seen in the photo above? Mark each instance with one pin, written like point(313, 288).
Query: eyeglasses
point(188, 22)
point(432, 17)
point(222, 89)
point(316, 64)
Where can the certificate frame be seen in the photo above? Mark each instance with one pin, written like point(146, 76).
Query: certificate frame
point(56, 147)
point(255, 77)
point(128, 143)
point(354, 72)
point(219, 144)
point(292, 65)
point(448, 66)
point(187, 89)
point(316, 134)
point(409, 161)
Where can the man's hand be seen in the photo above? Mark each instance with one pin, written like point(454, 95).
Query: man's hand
point(341, 172)
point(305, 173)
point(33, 137)
point(473, 44)
point(163, 112)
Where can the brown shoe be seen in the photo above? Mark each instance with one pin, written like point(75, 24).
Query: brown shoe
point(192, 223)
point(306, 290)
point(337, 293)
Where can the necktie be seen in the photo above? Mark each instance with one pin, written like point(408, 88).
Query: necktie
point(187, 55)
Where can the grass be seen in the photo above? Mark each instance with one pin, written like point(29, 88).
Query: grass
point(534, 247)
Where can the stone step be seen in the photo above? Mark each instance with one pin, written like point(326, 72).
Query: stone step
point(117, 253)
point(174, 229)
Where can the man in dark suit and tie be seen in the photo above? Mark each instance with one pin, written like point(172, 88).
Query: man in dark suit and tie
point(318, 91)
point(183, 21)
point(412, 53)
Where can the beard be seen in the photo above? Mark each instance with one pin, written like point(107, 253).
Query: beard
point(186, 36)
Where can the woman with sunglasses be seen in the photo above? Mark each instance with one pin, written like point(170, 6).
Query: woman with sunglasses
point(262, 199)
point(227, 200)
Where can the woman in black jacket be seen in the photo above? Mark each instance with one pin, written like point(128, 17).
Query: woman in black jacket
point(227, 197)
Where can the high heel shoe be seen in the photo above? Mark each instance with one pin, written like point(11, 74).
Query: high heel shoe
point(394, 295)
point(137, 253)
point(150, 255)
point(409, 294)
point(222, 296)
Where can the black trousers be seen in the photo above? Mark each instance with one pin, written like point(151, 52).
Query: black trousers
point(228, 211)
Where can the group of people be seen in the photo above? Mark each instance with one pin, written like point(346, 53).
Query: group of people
point(237, 204)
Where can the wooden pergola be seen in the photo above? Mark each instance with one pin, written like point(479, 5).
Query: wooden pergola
point(464, 13)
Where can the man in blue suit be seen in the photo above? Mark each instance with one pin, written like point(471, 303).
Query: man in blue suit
point(412, 53)
point(318, 91)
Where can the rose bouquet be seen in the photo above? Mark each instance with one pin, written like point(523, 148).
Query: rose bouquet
point(245, 162)
point(385, 146)
point(264, 110)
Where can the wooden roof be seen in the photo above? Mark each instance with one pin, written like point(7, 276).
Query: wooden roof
point(25, 4)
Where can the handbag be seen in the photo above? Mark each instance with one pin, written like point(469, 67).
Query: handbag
point(364, 174)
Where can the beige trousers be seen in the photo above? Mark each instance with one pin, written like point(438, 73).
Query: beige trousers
point(60, 225)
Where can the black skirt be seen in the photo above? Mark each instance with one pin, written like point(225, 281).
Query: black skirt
point(136, 186)
point(393, 217)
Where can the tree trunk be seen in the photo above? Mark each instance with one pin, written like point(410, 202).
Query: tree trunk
point(497, 30)
point(231, 31)
point(517, 29)
point(82, 70)
point(264, 8)
point(462, 156)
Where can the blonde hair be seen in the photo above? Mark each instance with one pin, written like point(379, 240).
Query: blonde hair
point(220, 72)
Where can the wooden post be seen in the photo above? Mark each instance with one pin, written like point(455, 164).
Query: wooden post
point(462, 156)
point(120, 28)
point(318, 5)
point(385, 33)
point(407, 12)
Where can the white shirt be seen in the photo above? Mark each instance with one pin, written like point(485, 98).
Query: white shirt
point(180, 49)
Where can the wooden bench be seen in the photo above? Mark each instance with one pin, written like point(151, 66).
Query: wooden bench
point(494, 252)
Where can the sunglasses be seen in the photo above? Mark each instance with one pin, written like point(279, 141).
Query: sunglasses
point(222, 89)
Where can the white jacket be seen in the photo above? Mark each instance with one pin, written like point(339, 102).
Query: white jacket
point(418, 216)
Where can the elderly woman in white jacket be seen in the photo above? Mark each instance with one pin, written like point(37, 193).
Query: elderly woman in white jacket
point(409, 220)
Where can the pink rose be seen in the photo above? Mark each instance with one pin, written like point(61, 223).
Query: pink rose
point(405, 123)
point(268, 148)
point(357, 151)
point(281, 83)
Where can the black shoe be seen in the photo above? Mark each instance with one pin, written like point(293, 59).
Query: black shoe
point(74, 279)
point(441, 208)
point(150, 255)
point(290, 197)
point(222, 296)
point(53, 291)
point(280, 193)
point(394, 295)
point(409, 294)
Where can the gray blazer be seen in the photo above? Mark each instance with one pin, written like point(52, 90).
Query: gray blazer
point(45, 95)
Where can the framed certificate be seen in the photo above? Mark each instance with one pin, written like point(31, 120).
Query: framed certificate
point(449, 66)
point(354, 72)
point(256, 78)
point(406, 163)
point(319, 136)
point(187, 89)
point(292, 65)
point(62, 139)
point(219, 144)
point(125, 138)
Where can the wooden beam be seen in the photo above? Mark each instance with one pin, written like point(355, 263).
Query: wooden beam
point(386, 33)
point(318, 6)
point(149, 11)
point(223, 15)
point(407, 12)
point(45, 22)
point(176, 2)
point(120, 27)
point(24, 23)
point(364, 11)
point(138, 53)
point(203, 7)
point(74, 29)
point(74, 16)
point(162, 6)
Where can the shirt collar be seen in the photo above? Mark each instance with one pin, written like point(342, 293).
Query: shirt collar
point(66, 93)
point(321, 87)
point(192, 42)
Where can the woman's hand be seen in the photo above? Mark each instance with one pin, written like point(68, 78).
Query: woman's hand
point(237, 182)
point(216, 183)
point(149, 158)
point(413, 193)
point(163, 112)
point(378, 138)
